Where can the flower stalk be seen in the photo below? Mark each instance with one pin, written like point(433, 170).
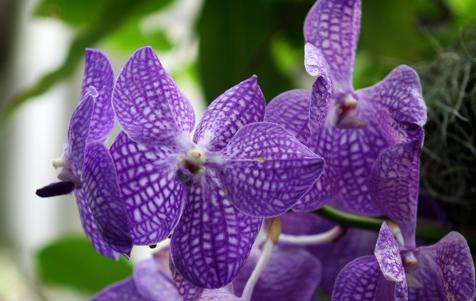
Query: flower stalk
point(348, 220)
point(305, 240)
point(273, 236)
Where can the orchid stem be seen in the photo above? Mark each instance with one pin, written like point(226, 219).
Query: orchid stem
point(258, 270)
point(306, 240)
point(273, 234)
point(349, 220)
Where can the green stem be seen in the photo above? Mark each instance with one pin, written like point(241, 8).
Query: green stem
point(348, 220)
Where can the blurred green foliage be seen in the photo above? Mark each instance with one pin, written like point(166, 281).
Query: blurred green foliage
point(72, 262)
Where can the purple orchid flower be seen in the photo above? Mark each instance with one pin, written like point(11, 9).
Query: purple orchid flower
point(348, 128)
point(210, 190)
point(443, 271)
point(87, 167)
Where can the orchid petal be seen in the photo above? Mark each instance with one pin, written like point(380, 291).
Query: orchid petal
point(395, 183)
point(357, 280)
point(98, 75)
point(78, 132)
point(267, 169)
point(187, 290)
point(452, 257)
point(91, 227)
point(240, 105)
point(425, 282)
point(153, 197)
point(153, 283)
point(400, 93)
point(124, 290)
point(291, 110)
point(387, 252)
point(148, 104)
point(99, 183)
point(291, 274)
point(332, 26)
point(212, 239)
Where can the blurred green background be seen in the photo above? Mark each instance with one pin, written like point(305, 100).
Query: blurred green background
point(208, 45)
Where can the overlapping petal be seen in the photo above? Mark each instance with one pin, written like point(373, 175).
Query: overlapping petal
point(154, 198)
point(291, 274)
point(394, 185)
point(187, 290)
point(291, 110)
point(124, 290)
point(400, 93)
point(357, 280)
point(153, 283)
point(78, 131)
point(148, 104)
point(387, 252)
point(348, 155)
point(425, 282)
point(320, 102)
point(212, 239)
point(267, 169)
point(99, 183)
point(240, 105)
point(91, 228)
point(452, 257)
point(98, 75)
point(335, 255)
point(332, 26)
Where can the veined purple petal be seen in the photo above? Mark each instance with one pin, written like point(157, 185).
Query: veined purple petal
point(153, 283)
point(319, 104)
point(98, 74)
point(91, 229)
point(267, 169)
point(148, 104)
point(358, 280)
point(387, 252)
point(333, 27)
point(394, 185)
point(425, 281)
point(212, 239)
point(122, 291)
point(99, 183)
point(153, 197)
point(400, 92)
point(291, 110)
point(187, 290)
point(78, 132)
point(220, 294)
point(239, 106)
point(291, 274)
point(349, 154)
point(453, 259)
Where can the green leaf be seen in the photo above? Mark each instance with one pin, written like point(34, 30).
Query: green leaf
point(130, 37)
point(74, 13)
point(72, 261)
point(236, 39)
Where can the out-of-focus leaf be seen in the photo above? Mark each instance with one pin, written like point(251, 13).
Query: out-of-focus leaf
point(465, 11)
point(71, 261)
point(74, 13)
point(389, 37)
point(130, 37)
point(108, 19)
point(236, 38)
